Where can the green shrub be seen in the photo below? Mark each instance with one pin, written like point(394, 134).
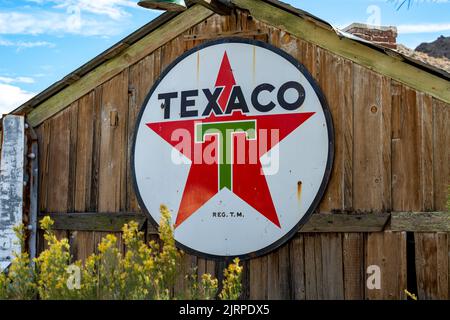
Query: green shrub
point(19, 284)
point(144, 272)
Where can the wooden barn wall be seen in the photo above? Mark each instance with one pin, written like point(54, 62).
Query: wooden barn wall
point(391, 154)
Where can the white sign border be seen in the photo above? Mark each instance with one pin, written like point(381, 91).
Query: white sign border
point(331, 147)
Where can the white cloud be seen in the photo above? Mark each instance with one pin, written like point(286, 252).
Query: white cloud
point(12, 97)
point(20, 45)
point(46, 22)
point(59, 17)
point(423, 28)
point(114, 9)
point(9, 80)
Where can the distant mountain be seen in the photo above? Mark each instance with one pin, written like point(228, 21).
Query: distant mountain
point(438, 49)
point(441, 63)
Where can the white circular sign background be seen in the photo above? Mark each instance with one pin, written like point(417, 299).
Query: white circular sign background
point(239, 219)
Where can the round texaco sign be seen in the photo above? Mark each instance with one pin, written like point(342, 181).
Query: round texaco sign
point(236, 139)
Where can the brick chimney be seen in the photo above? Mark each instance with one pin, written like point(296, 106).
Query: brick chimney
point(384, 36)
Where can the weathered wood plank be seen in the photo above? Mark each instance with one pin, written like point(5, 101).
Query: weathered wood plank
point(96, 143)
point(441, 162)
point(346, 223)
point(81, 245)
point(201, 28)
point(327, 64)
point(43, 133)
point(278, 274)
point(425, 103)
point(108, 222)
point(375, 257)
point(211, 267)
point(318, 265)
point(219, 7)
point(332, 266)
point(297, 265)
point(308, 57)
point(274, 291)
point(113, 67)
point(258, 278)
point(396, 111)
point(113, 145)
point(432, 258)
point(59, 163)
point(85, 136)
point(186, 266)
point(266, 32)
point(233, 20)
point(386, 144)
point(347, 116)
point(83, 242)
point(11, 186)
point(79, 181)
point(205, 266)
point(371, 167)
point(71, 182)
point(319, 223)
point(406, 155)
point(334, 69)
point(201, 267)
point(313, 267)
point(107, 185)
point(443, 276)
point(245, 294)
point(327, 38)
point(387, 250)
point(353, 256)
point(141, 77)
point(420, 221)
point(448, 265)
point(310, 270)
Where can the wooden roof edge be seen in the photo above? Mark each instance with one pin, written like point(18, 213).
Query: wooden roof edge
point(222, 7)
point(301, 13)
point(396, 54)
point(411, 72)
point(390, 52)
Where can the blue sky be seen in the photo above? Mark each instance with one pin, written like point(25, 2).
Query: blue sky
point(41, 41)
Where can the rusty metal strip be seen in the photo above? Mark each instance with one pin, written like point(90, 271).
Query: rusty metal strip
point(32, 188)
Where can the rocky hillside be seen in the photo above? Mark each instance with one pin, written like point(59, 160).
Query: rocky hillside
point(438, 49)
point(441, 63)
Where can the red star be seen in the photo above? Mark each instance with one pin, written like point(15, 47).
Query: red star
point(249, 182)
